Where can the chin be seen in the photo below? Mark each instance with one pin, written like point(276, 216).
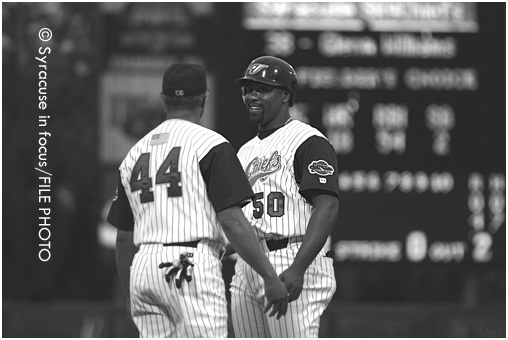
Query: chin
point(255, 119)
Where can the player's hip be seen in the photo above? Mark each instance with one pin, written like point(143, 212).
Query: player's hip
point(145, 271)
point(150, 286)
point(319, 285)
point(319, 274)
point(204, 246)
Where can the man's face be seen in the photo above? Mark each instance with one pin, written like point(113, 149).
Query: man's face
point(263, 102)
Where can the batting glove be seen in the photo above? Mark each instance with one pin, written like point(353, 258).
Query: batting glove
point(182, 267)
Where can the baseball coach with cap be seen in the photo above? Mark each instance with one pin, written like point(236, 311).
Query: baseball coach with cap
point(176, 188)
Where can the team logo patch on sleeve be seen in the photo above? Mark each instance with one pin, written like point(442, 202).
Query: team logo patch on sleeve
point(321, 168)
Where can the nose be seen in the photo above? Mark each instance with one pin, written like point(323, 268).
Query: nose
point(253, 94)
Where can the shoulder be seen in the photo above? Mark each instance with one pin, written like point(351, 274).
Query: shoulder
point(300, 132)
point(140, 147)
point(311, 140)
point(144, 142)
point(305, 129)
point(248, 144)
point(208, 133)
point(195, 134)
point(201, 139)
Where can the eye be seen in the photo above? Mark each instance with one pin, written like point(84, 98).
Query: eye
point(246, 90)
point(265, 89)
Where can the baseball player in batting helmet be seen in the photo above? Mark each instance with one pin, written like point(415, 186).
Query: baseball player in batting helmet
point(179, 195)
point(292, 169)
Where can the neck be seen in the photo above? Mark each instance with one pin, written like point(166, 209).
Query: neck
point(276, 123)
point(192, 116)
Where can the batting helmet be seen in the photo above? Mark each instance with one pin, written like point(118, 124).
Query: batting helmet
point(272, 71)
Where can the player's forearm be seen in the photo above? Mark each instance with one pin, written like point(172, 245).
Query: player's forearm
point(320, 225)
point(245, 242)
point(125, 251)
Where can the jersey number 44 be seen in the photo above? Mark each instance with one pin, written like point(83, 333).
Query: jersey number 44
point(141, 180)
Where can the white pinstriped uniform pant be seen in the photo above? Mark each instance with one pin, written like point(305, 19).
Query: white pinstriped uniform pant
point(197, 309)
point(303, 315)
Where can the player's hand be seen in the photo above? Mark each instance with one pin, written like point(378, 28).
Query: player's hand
point(293, 280)
point(276, 297)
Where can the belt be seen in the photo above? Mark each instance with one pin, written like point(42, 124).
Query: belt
point(206, 245)
point(283, 243)
point(277, 244)
point(273, 244)
point(193, 244)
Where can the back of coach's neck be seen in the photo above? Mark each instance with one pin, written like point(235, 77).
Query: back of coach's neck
point(192, 116)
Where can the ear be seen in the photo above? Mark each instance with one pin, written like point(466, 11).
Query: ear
point(205, 97)
point(286, 96)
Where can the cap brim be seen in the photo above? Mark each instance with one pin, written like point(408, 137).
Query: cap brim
point(261, 81)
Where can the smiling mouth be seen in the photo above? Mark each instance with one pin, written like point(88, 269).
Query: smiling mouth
point(255, 108)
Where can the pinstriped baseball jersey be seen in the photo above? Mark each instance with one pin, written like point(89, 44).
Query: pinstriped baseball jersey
point(171, 185)
point(165, 187)
point(279, 209)
point(285, 167)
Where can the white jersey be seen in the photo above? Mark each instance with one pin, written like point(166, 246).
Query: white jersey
point(285, 168)
point(165, 188)
point(279, 210)
point(171, 185)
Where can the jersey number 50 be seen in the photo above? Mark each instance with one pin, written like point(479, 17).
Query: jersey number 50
point(275, 201)
point(140, 179)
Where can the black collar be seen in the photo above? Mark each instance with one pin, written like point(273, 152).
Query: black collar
point(266, 133)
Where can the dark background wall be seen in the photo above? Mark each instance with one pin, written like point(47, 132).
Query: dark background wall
point(101, 81)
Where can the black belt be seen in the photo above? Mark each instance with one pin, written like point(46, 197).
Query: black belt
point(193, 244)
point(283, 243)
point(277, 244)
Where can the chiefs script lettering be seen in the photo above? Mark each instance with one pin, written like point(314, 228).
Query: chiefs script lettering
point(261, 167)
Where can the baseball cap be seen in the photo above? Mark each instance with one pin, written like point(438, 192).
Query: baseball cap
point(182, 79)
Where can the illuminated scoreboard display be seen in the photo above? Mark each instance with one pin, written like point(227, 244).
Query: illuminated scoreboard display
point(412, 97)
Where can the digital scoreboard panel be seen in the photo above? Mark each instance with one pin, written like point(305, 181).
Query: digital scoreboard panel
point(412, 97)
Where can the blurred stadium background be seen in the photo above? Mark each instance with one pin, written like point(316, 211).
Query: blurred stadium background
point(412, 95)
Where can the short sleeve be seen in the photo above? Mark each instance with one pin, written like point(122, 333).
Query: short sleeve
point(120, 214)
point(225, 179)
point(316, 167)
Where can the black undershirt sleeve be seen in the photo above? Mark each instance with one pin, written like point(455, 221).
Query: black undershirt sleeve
point(316, 168)
point(120, 213)
point(225, 179)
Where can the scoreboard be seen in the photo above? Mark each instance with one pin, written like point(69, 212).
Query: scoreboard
point(412, 97)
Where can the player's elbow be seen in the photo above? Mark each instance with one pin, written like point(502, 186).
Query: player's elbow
point(233, 222)
point(124, 240)
point(327, 205)
point(229, 217)
point(123, 236)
